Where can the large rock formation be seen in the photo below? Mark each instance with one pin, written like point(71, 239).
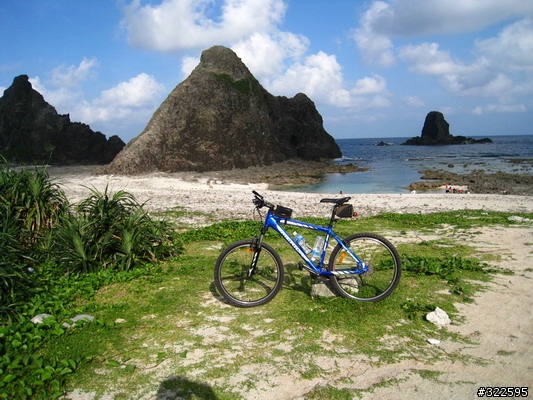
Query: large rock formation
point(436, 131)
point(220, 118)
point(31, 131)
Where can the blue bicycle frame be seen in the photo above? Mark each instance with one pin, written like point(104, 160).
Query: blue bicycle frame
point(275, 222)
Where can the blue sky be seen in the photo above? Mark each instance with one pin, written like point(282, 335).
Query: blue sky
point(373, 68)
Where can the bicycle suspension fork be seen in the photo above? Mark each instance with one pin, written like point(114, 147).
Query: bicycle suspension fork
point(255, 247)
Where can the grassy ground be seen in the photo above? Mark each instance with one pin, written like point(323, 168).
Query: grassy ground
point(170, 334)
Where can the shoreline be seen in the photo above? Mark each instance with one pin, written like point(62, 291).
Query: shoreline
point(210, 197)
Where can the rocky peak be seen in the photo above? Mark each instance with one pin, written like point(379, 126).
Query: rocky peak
point(219, 59)
point(436, 127)
point(220, 118)
point(31, 131)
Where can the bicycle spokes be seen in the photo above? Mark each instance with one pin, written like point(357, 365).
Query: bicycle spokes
point(371, 279)
point(246, 276)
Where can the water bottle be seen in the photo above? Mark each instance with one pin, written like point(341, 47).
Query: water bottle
point(317, 248)
point(301, 242)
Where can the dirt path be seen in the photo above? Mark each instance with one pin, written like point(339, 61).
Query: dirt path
point(499, 322)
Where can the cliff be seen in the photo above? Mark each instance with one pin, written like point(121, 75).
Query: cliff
point(221, 118)
point(31, 131)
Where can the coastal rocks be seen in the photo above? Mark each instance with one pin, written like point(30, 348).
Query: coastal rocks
point(287, 173)
point(477, 182)
point(31, 131)
point(221, 118)
point(436, 131)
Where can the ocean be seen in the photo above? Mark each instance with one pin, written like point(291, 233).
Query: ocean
point(393, 167)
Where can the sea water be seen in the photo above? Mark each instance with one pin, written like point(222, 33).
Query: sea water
point(393, 167)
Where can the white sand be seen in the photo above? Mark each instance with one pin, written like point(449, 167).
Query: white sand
point(500, 321)
point(221, 200)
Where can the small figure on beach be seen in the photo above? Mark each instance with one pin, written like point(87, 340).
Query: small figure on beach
point(448, 188)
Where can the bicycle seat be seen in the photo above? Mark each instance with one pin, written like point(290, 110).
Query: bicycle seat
point(340, 201)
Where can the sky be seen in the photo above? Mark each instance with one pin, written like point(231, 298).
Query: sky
point(374, 69)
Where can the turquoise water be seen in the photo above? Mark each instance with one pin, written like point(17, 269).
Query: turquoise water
point(394, 167)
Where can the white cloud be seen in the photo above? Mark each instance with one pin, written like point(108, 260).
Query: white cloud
point(318, 76)
point(385, 21)
point(502, 67)
point(414, 101)
point(426, 58)
point(133, 100)
point(512, 49)
point(57, 97)
point(267, 54)
point(375, 48)
point(499, 108)
point(176, 25)
point(419, 17)
point(64, 88)
point(370, 85)
point(135, 93)
point(72, 76)
point(125, 104)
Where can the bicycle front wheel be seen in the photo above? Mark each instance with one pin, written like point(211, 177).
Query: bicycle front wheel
point(243, 284)
point(380, 257)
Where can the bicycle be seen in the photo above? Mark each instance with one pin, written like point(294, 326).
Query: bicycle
point(362, 266)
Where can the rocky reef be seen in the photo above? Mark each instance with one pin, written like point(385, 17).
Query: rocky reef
point(477, 181)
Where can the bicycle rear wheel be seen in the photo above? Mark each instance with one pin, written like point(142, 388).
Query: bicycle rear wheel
point(382, 260)
point(241, 286)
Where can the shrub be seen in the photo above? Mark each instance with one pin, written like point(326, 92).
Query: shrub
point(37, 227)
point(32, 200)
point(111, 231)
point(30, 205)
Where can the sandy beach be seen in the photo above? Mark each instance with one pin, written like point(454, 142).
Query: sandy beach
point(211, 197)
point(499, 320)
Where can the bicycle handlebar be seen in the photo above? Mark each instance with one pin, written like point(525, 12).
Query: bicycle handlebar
point(260, 201)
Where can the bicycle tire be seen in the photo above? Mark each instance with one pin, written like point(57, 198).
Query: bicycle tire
point(383, 262)
point(233, 265)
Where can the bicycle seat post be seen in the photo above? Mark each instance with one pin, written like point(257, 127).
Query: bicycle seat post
point(336, 204)
point(333, 218)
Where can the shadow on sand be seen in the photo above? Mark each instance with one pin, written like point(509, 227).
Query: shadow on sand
point(180, 387)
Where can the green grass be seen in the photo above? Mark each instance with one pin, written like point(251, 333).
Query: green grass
point(167, 331)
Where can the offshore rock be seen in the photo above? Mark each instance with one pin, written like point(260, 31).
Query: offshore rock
point(31, 131)
point(221, 118)
point(436, 131)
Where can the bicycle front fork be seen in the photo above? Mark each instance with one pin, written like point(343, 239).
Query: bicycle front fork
point(255, 247)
